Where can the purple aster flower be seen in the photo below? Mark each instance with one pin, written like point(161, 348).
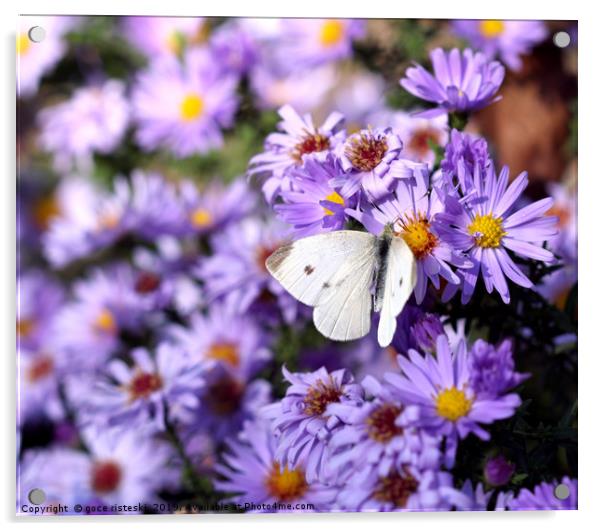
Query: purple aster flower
point(38, 378)
point(312, 204)
point(303, 421)
point(412, 211)
point(357, 95)
point(236, 272)
point(304, 90)
point(543, 498)
point(227, 401)
point(463, 81)
point(84, 220)
point(149, 204)
point(371, 436)
point(286, 149)
point(35, 59)
point(498, 471)
point(404, 489)
point(483, 226)
point(59, 472)
point(146, 205)
point(439, 396)
point(183, 106)
point(226, 338)
point(507, 39)
point(465, 150)
point(128, 469)
point(111, 300)
point(130, 294)
point(39, 298)
point(416, 329)
point(492, 369)
point(163, 36)
point(214, 206)
point(477, 496)
point(235, 46)
point(556, 286)
point(367, 159)
point(94, 120)
point(565, 208)
point(417, 134)
point(252, 472)
point(86, 330)
point(305, 43)
point(148, 391)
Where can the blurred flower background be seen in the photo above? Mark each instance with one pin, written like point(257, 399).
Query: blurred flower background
point(162, 160)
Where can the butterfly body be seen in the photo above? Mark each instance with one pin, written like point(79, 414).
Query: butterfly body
point(346, 274)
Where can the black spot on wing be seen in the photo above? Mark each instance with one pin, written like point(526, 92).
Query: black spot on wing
point(401, 281)
point(309, 269)
point(326, 285)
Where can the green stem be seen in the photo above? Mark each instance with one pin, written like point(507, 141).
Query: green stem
point(458, 120)
point(201, 486)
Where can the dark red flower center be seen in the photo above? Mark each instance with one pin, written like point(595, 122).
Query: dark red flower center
point(262, 254)
point(40, 368)
point(147, 282)
point(381, 423)
point(225, 395)
point(311, 143)
point(366, 151)
point(396, 488)
point(106, 476)
point(320, 395)
point(420, 141)
point(144, 384)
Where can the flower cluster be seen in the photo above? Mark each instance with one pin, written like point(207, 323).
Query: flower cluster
point(383, 446)
point(163, 160)
point(460, 222)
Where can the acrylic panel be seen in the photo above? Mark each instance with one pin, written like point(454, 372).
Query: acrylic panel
point(292, 265)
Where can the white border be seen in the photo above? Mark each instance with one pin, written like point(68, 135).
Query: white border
point(590, 205)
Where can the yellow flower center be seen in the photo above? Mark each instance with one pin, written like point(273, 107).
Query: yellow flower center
point(45, 210)
point(452, 404)
point(191, 107)
point(491, 28)
point(417, 234)
point(105, 322)
point(23, 43)
point(334, 197)
point(286, 485)
point(226, 352)
point(487, 231)
point(332, 32)
point(201, 218)
point(25, 327)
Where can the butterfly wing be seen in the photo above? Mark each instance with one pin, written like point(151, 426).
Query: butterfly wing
point(345, 314)
point(399, 283)
point(332, 272)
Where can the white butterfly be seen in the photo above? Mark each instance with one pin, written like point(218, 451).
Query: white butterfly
point(336, 272)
